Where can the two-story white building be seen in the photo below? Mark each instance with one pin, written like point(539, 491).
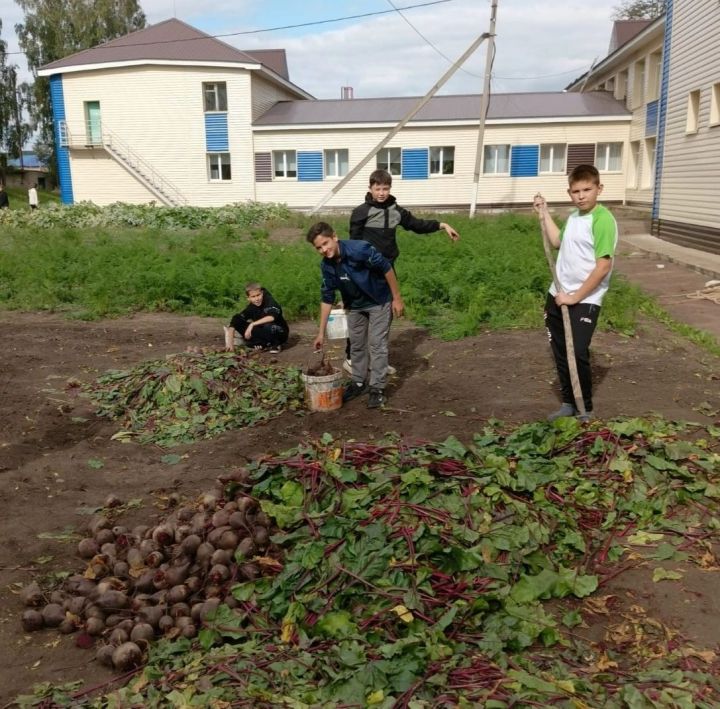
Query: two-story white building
point(171, 114)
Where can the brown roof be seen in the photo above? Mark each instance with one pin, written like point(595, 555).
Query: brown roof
point(274, 59)
point(172, 40)
point(444, 108)
point(624, 30)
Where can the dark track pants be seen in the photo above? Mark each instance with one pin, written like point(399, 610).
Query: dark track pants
point(583, 318)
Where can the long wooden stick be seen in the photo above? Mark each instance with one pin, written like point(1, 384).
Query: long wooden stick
point(567, 325)
point(425, 99)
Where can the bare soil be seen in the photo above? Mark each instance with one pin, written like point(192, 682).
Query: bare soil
point(48, 437)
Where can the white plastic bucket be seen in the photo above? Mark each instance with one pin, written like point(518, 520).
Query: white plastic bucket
point(337, 328)
point(324, 393)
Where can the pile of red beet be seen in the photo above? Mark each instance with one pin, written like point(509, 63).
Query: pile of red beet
point(149, 582)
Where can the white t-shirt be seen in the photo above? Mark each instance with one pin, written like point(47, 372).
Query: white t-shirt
point(33, 197)
point(584, 239)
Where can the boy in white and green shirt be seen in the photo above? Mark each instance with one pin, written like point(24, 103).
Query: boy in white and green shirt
point(587, 245)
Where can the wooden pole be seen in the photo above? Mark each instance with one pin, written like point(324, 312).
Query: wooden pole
point(567, 325)
point(476, 43)
point(484, 104)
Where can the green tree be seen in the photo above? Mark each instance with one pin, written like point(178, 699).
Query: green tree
point(53, 29)
point(638, 10)
point(14, 100)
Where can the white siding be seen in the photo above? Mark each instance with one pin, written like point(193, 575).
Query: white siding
point(440, 191)
point(691, 162)
point(159, 113)
point(265, 95)
point(624, 76)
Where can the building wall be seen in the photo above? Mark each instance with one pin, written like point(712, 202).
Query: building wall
point(691, 162)
point(635, 79)
point(159, 112)
point(265, 95)
point(440, 191)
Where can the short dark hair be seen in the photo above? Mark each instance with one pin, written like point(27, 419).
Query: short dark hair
point(319, 229)
point(380, 177)
point(584, 172)
point(252, 286)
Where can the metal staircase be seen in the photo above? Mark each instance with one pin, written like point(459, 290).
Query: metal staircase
point(125, 156)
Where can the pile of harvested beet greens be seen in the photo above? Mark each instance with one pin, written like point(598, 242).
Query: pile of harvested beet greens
point(419, 575)
point(189, 396)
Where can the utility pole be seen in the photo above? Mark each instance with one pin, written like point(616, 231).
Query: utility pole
point(484, 105)
point(20, 137)
point(476, 43)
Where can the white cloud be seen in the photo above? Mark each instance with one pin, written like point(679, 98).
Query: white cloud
point(548, 42)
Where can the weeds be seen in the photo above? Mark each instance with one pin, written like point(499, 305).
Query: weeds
point(196, 261)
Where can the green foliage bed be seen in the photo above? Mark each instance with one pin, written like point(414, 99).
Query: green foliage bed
point(189, 396)
point(94, 262)
point(427, 575)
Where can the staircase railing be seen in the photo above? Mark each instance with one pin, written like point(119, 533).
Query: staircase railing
point(96, 136)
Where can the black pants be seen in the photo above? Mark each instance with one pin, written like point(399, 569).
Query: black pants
point(583, 319)
point(266, 335)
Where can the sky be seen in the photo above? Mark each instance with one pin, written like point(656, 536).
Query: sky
point(540, 45)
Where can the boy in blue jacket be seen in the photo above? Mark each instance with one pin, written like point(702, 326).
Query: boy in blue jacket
point(369, 290)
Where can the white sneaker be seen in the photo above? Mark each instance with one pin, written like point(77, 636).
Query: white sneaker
point(347, 366)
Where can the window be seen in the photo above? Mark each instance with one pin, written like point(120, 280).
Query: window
point(496, 160)
point(654, 76)
point(215, 95)
point(648, 172)
point(715, 105)
point(634, 172)
point(552, 157)
point(693, 112)
point(389, 159)
point(638, 92)
point(608, 157)
point(442, 160)
point(219, 167)
point(284, 164)
point(336, 163)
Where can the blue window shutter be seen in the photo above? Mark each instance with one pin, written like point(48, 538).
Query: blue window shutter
point(310, 166)
point(415, 164)
point(651, 119)
point(216, 133)
point(63, 154)
point(524, 160)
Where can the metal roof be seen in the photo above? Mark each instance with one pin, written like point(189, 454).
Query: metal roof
point(171, 40)
point(520, 106)
point(624, 30)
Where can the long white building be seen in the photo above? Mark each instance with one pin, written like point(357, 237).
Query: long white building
point(172, 115)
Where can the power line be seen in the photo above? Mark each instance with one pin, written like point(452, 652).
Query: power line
point(275, 29)
point(427, 41)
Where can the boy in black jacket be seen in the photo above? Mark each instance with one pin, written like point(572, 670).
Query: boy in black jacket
point(376, 220)
point(261, 325)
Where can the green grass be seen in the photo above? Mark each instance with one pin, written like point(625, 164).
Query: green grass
point(494, 278)
point(19, 199)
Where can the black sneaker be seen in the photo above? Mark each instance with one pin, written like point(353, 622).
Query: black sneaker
point(353, 390)
point(376, 398)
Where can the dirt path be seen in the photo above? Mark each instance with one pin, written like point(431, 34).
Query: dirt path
point(48, 437)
